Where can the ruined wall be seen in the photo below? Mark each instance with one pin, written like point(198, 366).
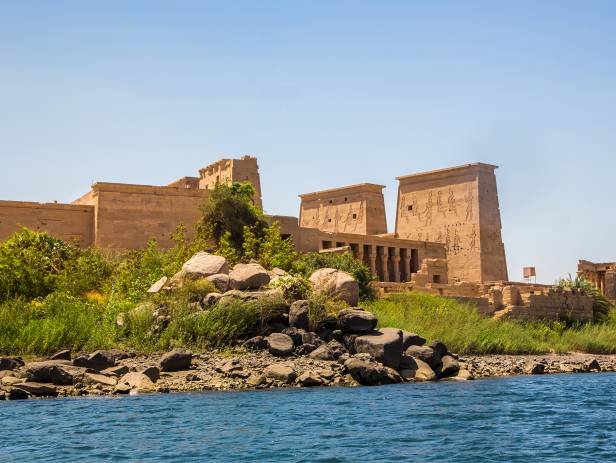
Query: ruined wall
point(65, 221)
point(358, 209)
point(128, 216)
point(227, 171)
point(457, 207)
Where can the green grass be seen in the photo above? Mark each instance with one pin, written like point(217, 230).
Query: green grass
point(464, 330)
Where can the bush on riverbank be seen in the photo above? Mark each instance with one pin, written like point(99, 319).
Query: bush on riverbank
point(464, 330)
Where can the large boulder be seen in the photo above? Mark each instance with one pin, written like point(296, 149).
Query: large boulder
point(385, 345)
point(65, 375)
point(336, 283)
point(98, 360)
point(176, 360)
point(280, 372)
point(298, 315)
point(37, 389)
point(135, 383)
point(248, 276)
point(11, 363)
point(203, 265)
point(426, 354)
point(371, 374)
point(416, 370)
point(450, 367)
point(158, 285)
point(40, 372)
point(356, 321)
point(256, 343)
point(323, 352)
point(94, 379)
point(280, 345)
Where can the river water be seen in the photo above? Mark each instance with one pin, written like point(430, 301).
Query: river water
point(540, 418)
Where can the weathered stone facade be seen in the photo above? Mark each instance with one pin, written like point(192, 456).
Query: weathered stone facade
point(459, 208)
point(602, 276)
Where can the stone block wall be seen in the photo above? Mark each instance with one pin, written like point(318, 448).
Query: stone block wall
point(357, 209)
point(74, 223)
point(128, 216)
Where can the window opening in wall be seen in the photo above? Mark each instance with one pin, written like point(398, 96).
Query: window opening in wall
point(329, 220)
point(345, 199)
point(410, 208)
point(331, 201)
point(436, 278)
point(354, 216)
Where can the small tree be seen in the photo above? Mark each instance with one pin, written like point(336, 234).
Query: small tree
point(227, 213)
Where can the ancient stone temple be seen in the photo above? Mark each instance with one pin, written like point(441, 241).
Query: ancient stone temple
point(458, 207)
point(447, 237)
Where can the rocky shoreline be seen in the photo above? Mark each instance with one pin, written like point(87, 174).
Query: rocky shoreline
point(182, 371)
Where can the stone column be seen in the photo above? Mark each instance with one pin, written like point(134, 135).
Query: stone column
point(372, 257)
point(384, 262)
point(360, 253)
point(407, 264)
point(396, 264)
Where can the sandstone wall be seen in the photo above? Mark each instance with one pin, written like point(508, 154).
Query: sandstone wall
point(457, 207)
point(128, 216)
point(66, 221)
point(358, 209)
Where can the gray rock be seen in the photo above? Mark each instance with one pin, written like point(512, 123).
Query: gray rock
point(203, 265)
point(592, 365)
point(93, 379)
point(280, 372)
point(295, 334)
point(248, 276)
point(37, 389)
point(98, 360)
point(151, 372)
point(385, 345)
point(310, 379)
point(298, 315)
point(323, 352)
point(176, 360)
point(256, 343)
point(66, 375)
point(439, 347)
point(411, 339)
point(39, 372)
point(308, 337)
point(280, 344)
point(371, 374)
point(305, 349)
point(355, 321)
point(16, 394)
point(61, 355)
point(220, 281)
point(426, 354)
point(136, 383)
point(450, 367)
point(11, 363)
point(158, 286)
point(337, 284)
point(415, 369)
point(535, 368)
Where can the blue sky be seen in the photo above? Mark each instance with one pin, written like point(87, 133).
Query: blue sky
point(324, 93)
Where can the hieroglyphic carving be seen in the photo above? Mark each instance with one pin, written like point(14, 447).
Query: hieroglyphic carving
point(429, 206)
point(469, 204)
point(473, 239)
point(451, 201)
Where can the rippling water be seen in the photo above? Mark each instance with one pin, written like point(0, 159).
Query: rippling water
point(548, 418)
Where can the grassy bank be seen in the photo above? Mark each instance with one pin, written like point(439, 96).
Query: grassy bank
point(465, 331)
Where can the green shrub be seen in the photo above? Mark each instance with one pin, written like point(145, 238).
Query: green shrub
point(293, 287)
point(31, 264)
point(601, 306)
point(308, 263)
